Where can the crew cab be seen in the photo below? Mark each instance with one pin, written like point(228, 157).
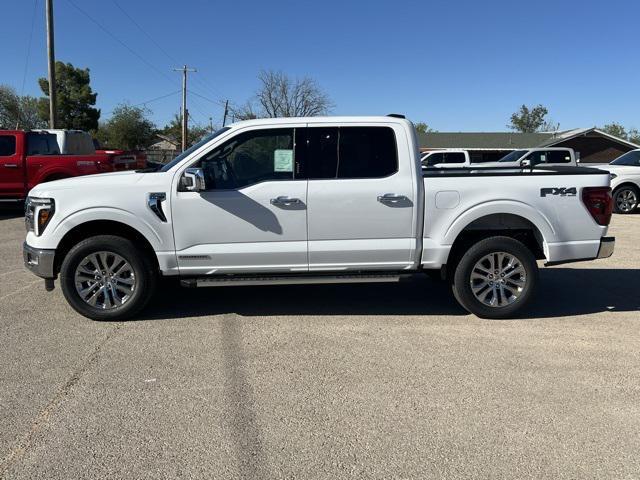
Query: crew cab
point(625, 181)
point(28, 158)
point(312, 200)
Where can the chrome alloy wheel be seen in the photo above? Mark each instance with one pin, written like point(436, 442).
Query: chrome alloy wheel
point(105, 280)
point(626, 200)
point(498, 279)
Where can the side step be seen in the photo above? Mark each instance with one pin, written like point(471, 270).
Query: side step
point(301, 279)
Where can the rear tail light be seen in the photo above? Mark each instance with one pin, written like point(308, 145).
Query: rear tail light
point(599, 203)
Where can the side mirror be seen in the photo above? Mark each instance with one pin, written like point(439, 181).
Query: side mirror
point(525, 163)
point(193, 180)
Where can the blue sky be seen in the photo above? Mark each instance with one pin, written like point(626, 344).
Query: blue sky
point(457, 65)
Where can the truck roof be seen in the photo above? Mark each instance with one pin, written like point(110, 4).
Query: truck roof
point(326, 119)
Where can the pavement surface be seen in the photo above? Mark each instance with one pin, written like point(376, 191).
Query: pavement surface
point(350, 381)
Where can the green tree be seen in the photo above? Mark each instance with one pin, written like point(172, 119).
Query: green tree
point(128, 129)
point(615, 129)
point(75, 99)
point(529, 120)
point(17, 111)
point(618, 130)
point(422, 127)
point(174, 130)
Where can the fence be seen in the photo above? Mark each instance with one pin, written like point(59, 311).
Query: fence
point(161, 156)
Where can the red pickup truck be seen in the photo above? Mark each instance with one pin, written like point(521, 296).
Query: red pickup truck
point(33, 157)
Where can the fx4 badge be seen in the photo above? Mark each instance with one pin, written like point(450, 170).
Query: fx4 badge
point(561, 191)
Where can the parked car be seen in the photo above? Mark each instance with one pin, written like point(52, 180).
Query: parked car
point(312, 200)
point(28, 158)
point(625, 181)
point(529, 157)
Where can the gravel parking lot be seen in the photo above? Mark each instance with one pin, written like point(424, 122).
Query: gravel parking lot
point(366, 381)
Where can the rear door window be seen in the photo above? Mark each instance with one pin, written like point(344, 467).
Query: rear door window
point(454, 157)
point(558, 156)
point(42, 144)
point(7, 146)
point(351, 152)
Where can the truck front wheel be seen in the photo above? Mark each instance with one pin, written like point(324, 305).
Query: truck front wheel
point(107, 277)
point(495, 278)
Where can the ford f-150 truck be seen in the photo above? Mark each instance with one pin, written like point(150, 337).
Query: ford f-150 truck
point(30, 158)
point(456, 158)
point(312, 200)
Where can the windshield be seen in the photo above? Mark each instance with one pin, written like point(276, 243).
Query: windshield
point(192, 149)
point(630, 159)
point(513, 156)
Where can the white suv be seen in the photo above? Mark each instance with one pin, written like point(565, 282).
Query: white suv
point(625, 181)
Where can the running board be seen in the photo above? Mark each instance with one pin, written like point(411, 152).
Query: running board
point(228, 281)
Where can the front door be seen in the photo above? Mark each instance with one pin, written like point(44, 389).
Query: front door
point(252, 218)
point(362, 197)
point(11, 168)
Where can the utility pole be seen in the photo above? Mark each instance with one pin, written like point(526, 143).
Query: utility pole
point(52, 66)
point(226, 111)
point(185, 112)
point(210, 124)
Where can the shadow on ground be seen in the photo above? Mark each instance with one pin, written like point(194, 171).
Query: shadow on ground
point(563, 292)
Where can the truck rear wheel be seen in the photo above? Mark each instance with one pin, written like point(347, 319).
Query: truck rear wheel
point(495, 278)
point(107, 277)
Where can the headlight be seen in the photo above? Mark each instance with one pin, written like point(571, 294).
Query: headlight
point(612, 176)
point(38, 213)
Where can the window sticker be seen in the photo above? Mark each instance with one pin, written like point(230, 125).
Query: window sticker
point(283, 161)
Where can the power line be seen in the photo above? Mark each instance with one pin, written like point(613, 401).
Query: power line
point(148, 101)
point(162, 49)
point(132, 51)
point(169, 56)
point(26, 62)
point(217, 102)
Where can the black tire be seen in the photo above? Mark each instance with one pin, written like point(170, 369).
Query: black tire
point(513, 302)
point(141, 265)
point(619, 201)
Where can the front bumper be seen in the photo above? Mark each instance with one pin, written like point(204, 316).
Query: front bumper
point(39, 261)
point(607, 244)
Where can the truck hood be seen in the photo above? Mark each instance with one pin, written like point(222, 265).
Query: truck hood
point(621, 169)
point(88, 182)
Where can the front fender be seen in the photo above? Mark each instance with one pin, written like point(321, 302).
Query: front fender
point(52, 237)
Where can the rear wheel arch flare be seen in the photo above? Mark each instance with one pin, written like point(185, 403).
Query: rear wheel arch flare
point(498, 224)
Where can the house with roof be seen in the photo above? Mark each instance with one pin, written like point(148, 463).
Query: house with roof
point(590, 144)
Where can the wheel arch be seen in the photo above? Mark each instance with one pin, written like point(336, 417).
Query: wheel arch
point(100, 227)
point(512, 225)
point(627, 183)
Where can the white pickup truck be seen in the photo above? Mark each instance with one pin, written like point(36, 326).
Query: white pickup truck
point(312, 200)
point(457, 158)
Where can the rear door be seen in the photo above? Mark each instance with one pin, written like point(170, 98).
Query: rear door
point(361, 198)
point(11, 167)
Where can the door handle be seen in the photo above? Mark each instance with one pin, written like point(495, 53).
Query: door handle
point(286, 201)
point(391, 198)
point(11, 165)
